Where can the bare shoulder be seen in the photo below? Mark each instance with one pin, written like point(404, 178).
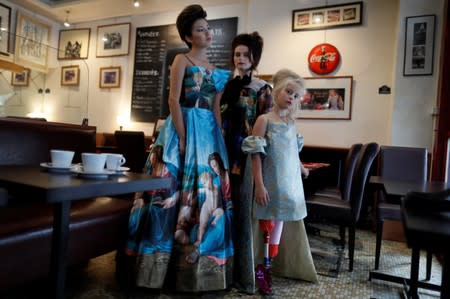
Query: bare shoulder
point(179, 65)
point(260, 127)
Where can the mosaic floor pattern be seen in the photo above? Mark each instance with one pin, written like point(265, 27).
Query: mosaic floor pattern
point(97, 280)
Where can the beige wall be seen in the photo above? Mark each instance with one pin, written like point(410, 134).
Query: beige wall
point(372, 53)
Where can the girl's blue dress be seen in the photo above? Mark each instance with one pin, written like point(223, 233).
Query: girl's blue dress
point(162, 240)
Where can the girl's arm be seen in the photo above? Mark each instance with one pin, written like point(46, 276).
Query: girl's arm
point(176, 82)
point(216, 109)
point(261, 195)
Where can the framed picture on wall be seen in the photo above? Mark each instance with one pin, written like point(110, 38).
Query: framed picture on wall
point(326, 98)
point(73, 44)
point(113, 40)
point(70, 75)
point(5, 24)
point(325, 17)
point(20, 78)
point(110, 77)
point(32, 37)
point(419, 45)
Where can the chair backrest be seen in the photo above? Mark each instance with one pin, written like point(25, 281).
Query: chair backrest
point(345, 184)
point(366, 156)
point(132, 145)
point(404, 163)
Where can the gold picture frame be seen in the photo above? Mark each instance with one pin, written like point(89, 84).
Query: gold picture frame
point(70, 75)
point(73, 44)
point(32, 38)
point(110, 77)
point(21, 78)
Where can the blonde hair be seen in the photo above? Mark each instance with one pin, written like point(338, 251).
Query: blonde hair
point(283, 78)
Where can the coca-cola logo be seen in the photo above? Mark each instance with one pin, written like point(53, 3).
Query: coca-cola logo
point(323, 59)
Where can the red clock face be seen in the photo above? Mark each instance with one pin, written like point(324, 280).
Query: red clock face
point(323, 59)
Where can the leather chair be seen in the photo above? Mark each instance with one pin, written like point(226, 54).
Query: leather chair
point(345, 183)
point(399, 163)
point(344, 211)
point(131, 144)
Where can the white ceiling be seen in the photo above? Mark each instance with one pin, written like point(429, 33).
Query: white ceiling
point(94, 10)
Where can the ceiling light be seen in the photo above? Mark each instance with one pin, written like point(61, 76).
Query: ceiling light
point(136, 3)
point(66, 22)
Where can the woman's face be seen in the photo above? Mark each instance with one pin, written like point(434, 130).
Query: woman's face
point(201, 36)
point(242, 60)
point(215, 166)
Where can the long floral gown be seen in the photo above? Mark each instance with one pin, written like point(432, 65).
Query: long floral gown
point(189, 245)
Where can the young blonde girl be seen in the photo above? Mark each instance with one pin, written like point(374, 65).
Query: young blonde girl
point(278, 191)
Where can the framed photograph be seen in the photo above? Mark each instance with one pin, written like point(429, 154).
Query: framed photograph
point(419, 45)
point(113, 40)
point(32, 37)
point(20, 78)
point(5, 25)
point(326, 98)
point(325, 17)
point(70, 75)
point(110, 77)
point(73, 44)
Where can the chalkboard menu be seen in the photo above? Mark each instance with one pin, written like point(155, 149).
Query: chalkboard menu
point(155, 50)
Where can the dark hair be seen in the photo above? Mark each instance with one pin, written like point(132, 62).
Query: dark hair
point(255, 44)
point(216, 156)
point(157, 150)
point(186, 19)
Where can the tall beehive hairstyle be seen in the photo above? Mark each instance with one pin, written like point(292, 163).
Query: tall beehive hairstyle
point(255, 44)
point(186, 19)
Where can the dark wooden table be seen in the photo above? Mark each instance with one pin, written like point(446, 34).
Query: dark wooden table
point(399, 189)
point(59, 190)
point(427, 228)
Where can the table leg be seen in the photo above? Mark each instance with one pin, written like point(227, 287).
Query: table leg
point(60, 240)
point(413, 283)
point(445, 282)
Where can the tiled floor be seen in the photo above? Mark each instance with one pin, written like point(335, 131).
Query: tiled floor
point(97, 281)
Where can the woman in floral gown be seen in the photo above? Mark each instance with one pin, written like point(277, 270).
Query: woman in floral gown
point(163, 229)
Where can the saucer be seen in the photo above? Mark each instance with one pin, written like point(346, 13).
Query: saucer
point(121, 170)
point(92, 175)
point(51, 168)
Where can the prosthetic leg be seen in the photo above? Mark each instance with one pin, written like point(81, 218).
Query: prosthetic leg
point(262, 272)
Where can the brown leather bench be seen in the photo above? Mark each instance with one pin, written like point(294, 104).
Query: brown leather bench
point(98, 226)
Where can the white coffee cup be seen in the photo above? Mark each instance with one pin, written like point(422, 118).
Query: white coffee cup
point(114, 161)
point(61, 158)
point(93, 163)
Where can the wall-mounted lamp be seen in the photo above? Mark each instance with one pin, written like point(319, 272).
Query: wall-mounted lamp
point(66, 22)
point(136, 3)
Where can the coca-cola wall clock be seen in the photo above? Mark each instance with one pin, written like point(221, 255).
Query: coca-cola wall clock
point(323, 59)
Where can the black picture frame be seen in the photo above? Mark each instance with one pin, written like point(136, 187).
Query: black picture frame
point(419, 45)
point(5, 24)
point(325, 17)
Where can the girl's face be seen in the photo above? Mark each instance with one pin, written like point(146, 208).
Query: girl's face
point(241, 58)
point(288, 96)
point(201, 36)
